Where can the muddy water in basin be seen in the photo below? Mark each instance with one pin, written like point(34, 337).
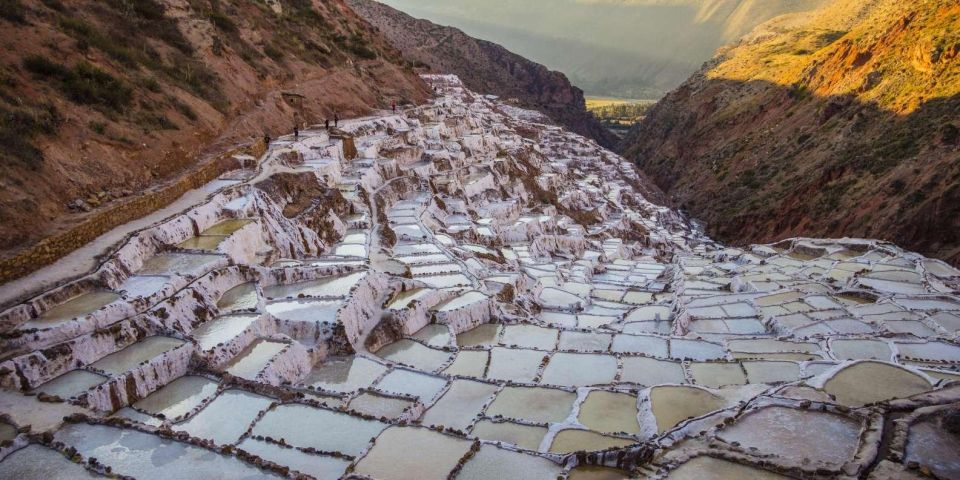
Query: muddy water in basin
point(379, 406)
point(540, 405)
point(468, 363)
point(514, 364)
point(415, 354)
point(336, 286)
point(673, 404)
point(37, 461)
point(610, 412)
point(483, 335)
point(523, 436)
point(868, 382)
point(391, 459)
point(148, 457)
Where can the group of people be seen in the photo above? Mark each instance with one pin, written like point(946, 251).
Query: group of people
point(326, 124)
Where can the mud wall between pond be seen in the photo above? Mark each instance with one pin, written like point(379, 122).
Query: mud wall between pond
point(55, 247)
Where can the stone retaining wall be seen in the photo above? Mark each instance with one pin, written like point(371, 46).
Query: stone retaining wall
point(55, 247)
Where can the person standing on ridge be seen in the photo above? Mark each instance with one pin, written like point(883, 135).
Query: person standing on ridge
point(394, 107)
point(336, 120)
point(296, 131)
point(326, 124)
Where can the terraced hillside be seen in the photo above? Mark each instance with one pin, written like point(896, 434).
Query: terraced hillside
point(461, 291)
point(103, 102)
point(843, 121)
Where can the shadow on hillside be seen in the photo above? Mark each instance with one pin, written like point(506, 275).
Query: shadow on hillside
point(760, 162)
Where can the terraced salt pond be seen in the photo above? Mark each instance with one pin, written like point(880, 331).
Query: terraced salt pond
point(571, 330)
point(75, 307)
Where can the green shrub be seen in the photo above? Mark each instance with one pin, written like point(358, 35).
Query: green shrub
point(18, 127)
point(84, 83)
point(13, 11)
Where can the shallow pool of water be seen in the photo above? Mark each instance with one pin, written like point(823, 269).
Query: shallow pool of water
point(468, 363)
point(71, 383)
point(579, 370)
point(39, 462)
point(222, 329)
point(78, 306)
point(379, 406)
point(648, 345)
point(132, 356)
point(434, 335)
point(572, 440)
point(610, 412)
point(403, 299)
point(673, 404)
point(143, 285)
point(523, 436)
point(253, 359)
point(530, 336)
point(241, 297)
point(459, 404)
point(709, 468)
point(345, 375)
point(225, 418)
point(868, 382)
point(336, 286)
point(149, 457)
point(539, 405)
point(933, 447)
point(584, 341)
point(305, 310)
point(391, 458)
point(202, 242)
point(227, 227)
point(771, 372)
point(484, 335)
point(796, 434)
point(317, 466)
point(325, 430)
point(514, 364)
point(716, 375)
point(649, 371)
point(179, 264)
point(491, 462)
point(461, 301)
point(412, 383)
point(178, 397)
point(415, 354)
point(695, 350)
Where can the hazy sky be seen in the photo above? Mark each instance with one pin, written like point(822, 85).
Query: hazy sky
point(628, 48)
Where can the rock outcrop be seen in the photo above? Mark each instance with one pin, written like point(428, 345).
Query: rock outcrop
point(486, 67)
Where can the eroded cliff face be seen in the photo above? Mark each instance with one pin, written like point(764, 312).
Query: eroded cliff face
point(841, 121)
point(103, 100)
point(486, 67)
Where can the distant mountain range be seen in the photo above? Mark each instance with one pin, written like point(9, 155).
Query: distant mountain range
point(485, 67)
point(621, 48)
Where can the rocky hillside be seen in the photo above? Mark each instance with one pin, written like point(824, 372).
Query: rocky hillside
point(485, 67)
point(101, 100)
point(844, 121)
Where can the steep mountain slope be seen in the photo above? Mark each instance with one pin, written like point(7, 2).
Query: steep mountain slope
point(621, 48)
point(842, 121)
point(486, 67)
point(102, 100)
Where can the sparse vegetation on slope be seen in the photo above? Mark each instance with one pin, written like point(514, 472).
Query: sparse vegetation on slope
point(148, 90)
point(840, 122)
